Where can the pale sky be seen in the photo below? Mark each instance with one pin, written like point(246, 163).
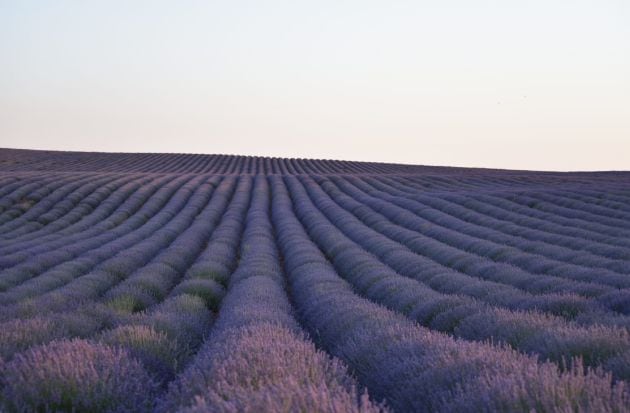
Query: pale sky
point(537, 84)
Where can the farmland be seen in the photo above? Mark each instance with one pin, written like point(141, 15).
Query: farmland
point(216, 283)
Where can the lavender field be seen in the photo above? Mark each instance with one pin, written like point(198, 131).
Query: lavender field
point(214, 283)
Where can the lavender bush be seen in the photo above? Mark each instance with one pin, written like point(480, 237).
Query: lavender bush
point(76, 375)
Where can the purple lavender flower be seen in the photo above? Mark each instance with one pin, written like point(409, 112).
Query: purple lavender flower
point(77, 375)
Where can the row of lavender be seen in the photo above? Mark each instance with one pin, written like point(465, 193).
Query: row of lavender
point(433, 177)
point(185, 292)
point(24, 160)
point(134, 333)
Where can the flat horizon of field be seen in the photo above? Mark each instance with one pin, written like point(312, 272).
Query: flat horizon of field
point(7, 152)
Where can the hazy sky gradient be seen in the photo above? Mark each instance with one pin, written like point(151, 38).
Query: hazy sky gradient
point(538, 84)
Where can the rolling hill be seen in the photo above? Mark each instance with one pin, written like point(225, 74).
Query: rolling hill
point(198, 283)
